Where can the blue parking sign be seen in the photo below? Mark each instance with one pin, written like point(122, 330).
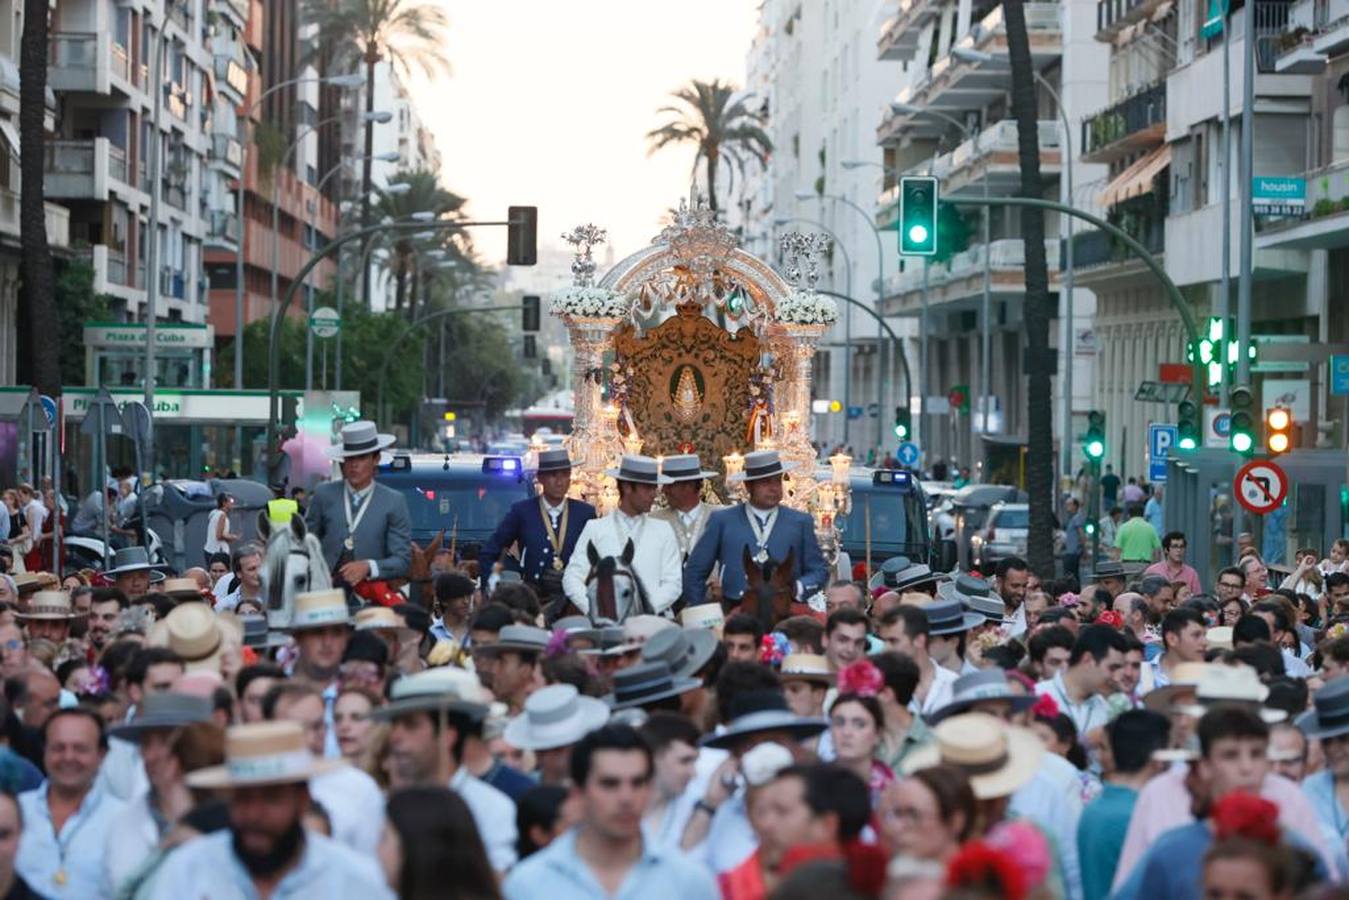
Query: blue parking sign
point(1161, 438)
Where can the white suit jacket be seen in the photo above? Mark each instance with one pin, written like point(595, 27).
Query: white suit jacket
point(657, 559)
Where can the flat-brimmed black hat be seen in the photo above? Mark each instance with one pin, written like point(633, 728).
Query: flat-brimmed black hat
point(645, 683)
point(976, 687)
point(976, 595)
point(164, 710)
point(684, 650)
point(639, 469)
point(554, 460)
point(947, 616)
point(755, 712)
point(1329, 716)
point(1109, 569)
point(899, 573)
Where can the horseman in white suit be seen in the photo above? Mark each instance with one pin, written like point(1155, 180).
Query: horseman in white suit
point(657, 561)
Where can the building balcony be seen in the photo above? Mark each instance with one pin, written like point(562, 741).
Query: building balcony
point(222, 230)
point(1133, 124)
point(114, 274)
point(172, 283)
point(900, 33)
point(177, 100)
point(1191, 237)
point(56, 216)
point(955, 86)
point(958, 282)
point(84, 170)
point(1112, 16)
point(1099, 257)
point(237, 9)
point(231, 74)
point(89, 63)
point(227, 150)
point(1324, 224)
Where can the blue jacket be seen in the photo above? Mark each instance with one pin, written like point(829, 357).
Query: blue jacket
point(523, 525)
point(728, 534)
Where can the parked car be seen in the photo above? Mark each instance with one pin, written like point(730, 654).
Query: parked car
point(969, 509)
point(1004, 533)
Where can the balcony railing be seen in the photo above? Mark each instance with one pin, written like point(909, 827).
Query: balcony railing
point(71, 50)
point(1007, 254)
point(77, 158)
point(234, 74)
point(1127, 117)
point(1000, 137)
point(1271, 21)
point(226, 148)
point(178, 100)
point(222, 226)
point(177, 12)
point(1112, 14)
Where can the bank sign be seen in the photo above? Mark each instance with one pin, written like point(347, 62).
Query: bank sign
point(1278, 196)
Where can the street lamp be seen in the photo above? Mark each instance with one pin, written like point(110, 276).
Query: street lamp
point(969, 54)
point(806, 194)
point(985, 312)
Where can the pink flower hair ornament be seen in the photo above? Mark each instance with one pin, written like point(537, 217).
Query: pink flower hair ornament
point(861, 678)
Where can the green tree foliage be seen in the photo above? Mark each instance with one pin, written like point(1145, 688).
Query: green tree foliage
point(76, 303)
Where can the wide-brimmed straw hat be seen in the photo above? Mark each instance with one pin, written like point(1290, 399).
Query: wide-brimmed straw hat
point(637, 468)
point(442, 689)
point(1231, 684)
point(50, 606)
point(761, 464)
point(998, 758)
point(182, 589)
point(163, 710)
point(685, 651)
point(377, 618)
point(555, 716)
point(263, 753)
point(318, 609)
point(684, 467)
point(704, 615)
point(194, 632)
point(1185, 677)
point(757, 712)
point(358, 439)
point(1329, 716)
point(806, 667)
point(27, 583)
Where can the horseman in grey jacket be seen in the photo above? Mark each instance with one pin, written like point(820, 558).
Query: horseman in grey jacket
point(362, 525)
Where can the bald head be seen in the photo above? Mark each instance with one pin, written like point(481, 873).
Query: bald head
point(200, 576)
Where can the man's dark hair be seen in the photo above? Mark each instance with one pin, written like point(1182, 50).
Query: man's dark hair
point(1055, 614)
point(1172, 536)
point(241, 553)
point(1045, 638)
point(1235, 572)
point(286, 691)
point(248, 674)
point(1150, 585)
point(805, 632)
point(414, 616)
point(1174, 622)
point(79, 712)
point(1275, 609)
point(1229, 720)
point(492, 617)
point(452, 585)
point(737, 678)
point(1098, 641)
point(830, 788)
point(222, 558)
point(105, 594)
point(1134, 736)
point(740, 623)
point(662, 728)
point(608, 737)
point(1262, 656)
point(1336, 579)
point(1249, 629)
point(145, 658)
point(914, 619)
point(900, 673)
point(571, 668)
point(845, 616)
point(1010, 564)
point(1134, 643)
point(518, 596)
point(1287, 694)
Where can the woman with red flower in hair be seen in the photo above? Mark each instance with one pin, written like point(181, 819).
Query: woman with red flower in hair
point(857, 724)
point(1248, 861)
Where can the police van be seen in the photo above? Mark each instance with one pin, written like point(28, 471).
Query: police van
point(889, 516)
point(463, 494)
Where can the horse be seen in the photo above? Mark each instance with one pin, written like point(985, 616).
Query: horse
point(770, 590)
point(419, 571)
point(292, 564)
point(613, 587)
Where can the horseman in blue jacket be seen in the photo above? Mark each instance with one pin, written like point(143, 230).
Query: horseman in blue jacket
point(543, 529)
point(763, 525)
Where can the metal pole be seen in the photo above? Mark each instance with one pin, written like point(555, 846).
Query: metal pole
point(985, 330)
point(101, 478)
point(923, 386)
point(1225, 180)
point(152, 251)
point(1246, 174)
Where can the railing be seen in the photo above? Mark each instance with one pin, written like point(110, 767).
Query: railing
point(224, 147)
point(177, 12)
point(1112, 12)
point(174, 195)
point(121, 62)
point(1271, 21)
point(1095, 248)
point(222, 225)
point(1040, 16)
point(178, 100)
point(1001, 136)
point(117, 163)
point(68, 158)
point(71, 50)
point(235, 75)
point(1006, 254)
point(1129, 116)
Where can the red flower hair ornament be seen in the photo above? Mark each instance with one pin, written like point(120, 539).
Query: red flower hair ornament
point(861, 678)
point(865, 863)
point(982, 867)
point(1247, 816)
point(1111, 618)
point(1045, 707)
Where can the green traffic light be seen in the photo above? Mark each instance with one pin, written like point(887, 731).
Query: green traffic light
point(1242, 442)
point(918, 234)
point(901, 432)
point(1095, 449)
point(1186, 443)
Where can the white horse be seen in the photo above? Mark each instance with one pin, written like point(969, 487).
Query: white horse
point(614, 590)
point(292, 564)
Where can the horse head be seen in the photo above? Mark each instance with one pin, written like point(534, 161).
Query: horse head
point(613, 587)
point(292, 564)
point(770, 588)
point(419, 569)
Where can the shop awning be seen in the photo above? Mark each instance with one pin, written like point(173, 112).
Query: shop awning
point(10, 136)
point(1137, 179)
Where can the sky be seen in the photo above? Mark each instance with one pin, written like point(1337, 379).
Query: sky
point(548, 105)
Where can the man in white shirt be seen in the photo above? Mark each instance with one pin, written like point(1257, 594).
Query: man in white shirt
point(1081, 689)
point(686, 512)
point(654, 557)
point(907, 629)
point(427, 713)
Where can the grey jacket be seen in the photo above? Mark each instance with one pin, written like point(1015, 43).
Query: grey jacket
point(383, 535)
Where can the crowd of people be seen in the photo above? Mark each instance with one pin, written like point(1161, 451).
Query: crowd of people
point(496, 731)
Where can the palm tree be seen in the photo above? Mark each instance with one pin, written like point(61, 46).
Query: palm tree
point(38, 294)
point(716, 118)
point(1039, 417)
point(409, 33)
point(426, 195)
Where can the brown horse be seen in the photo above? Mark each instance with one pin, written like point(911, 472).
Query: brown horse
point(770, 590)
point(419, 571)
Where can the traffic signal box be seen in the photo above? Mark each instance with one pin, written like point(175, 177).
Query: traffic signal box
point(1241, 433)
point(903, 423)
point(1278, 431)
point(918, 216)
point(1187, 426)
point(1093, 444)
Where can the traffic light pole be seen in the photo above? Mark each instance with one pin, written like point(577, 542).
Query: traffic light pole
point(1094, 512)
point(279, 313)
point(894, 338)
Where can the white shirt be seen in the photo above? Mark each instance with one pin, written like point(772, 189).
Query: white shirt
point(354, 804)
point(214, 545)
point(493, 813)
point(1092, 712)
point(134, 836)
point(657, 559)
point(75, 855)
point(122, 774)
point(940, 692)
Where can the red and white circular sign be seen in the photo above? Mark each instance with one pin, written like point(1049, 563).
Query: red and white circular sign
point(1261, 486)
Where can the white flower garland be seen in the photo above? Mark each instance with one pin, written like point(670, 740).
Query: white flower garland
point(588, 302)
point(805, 307)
